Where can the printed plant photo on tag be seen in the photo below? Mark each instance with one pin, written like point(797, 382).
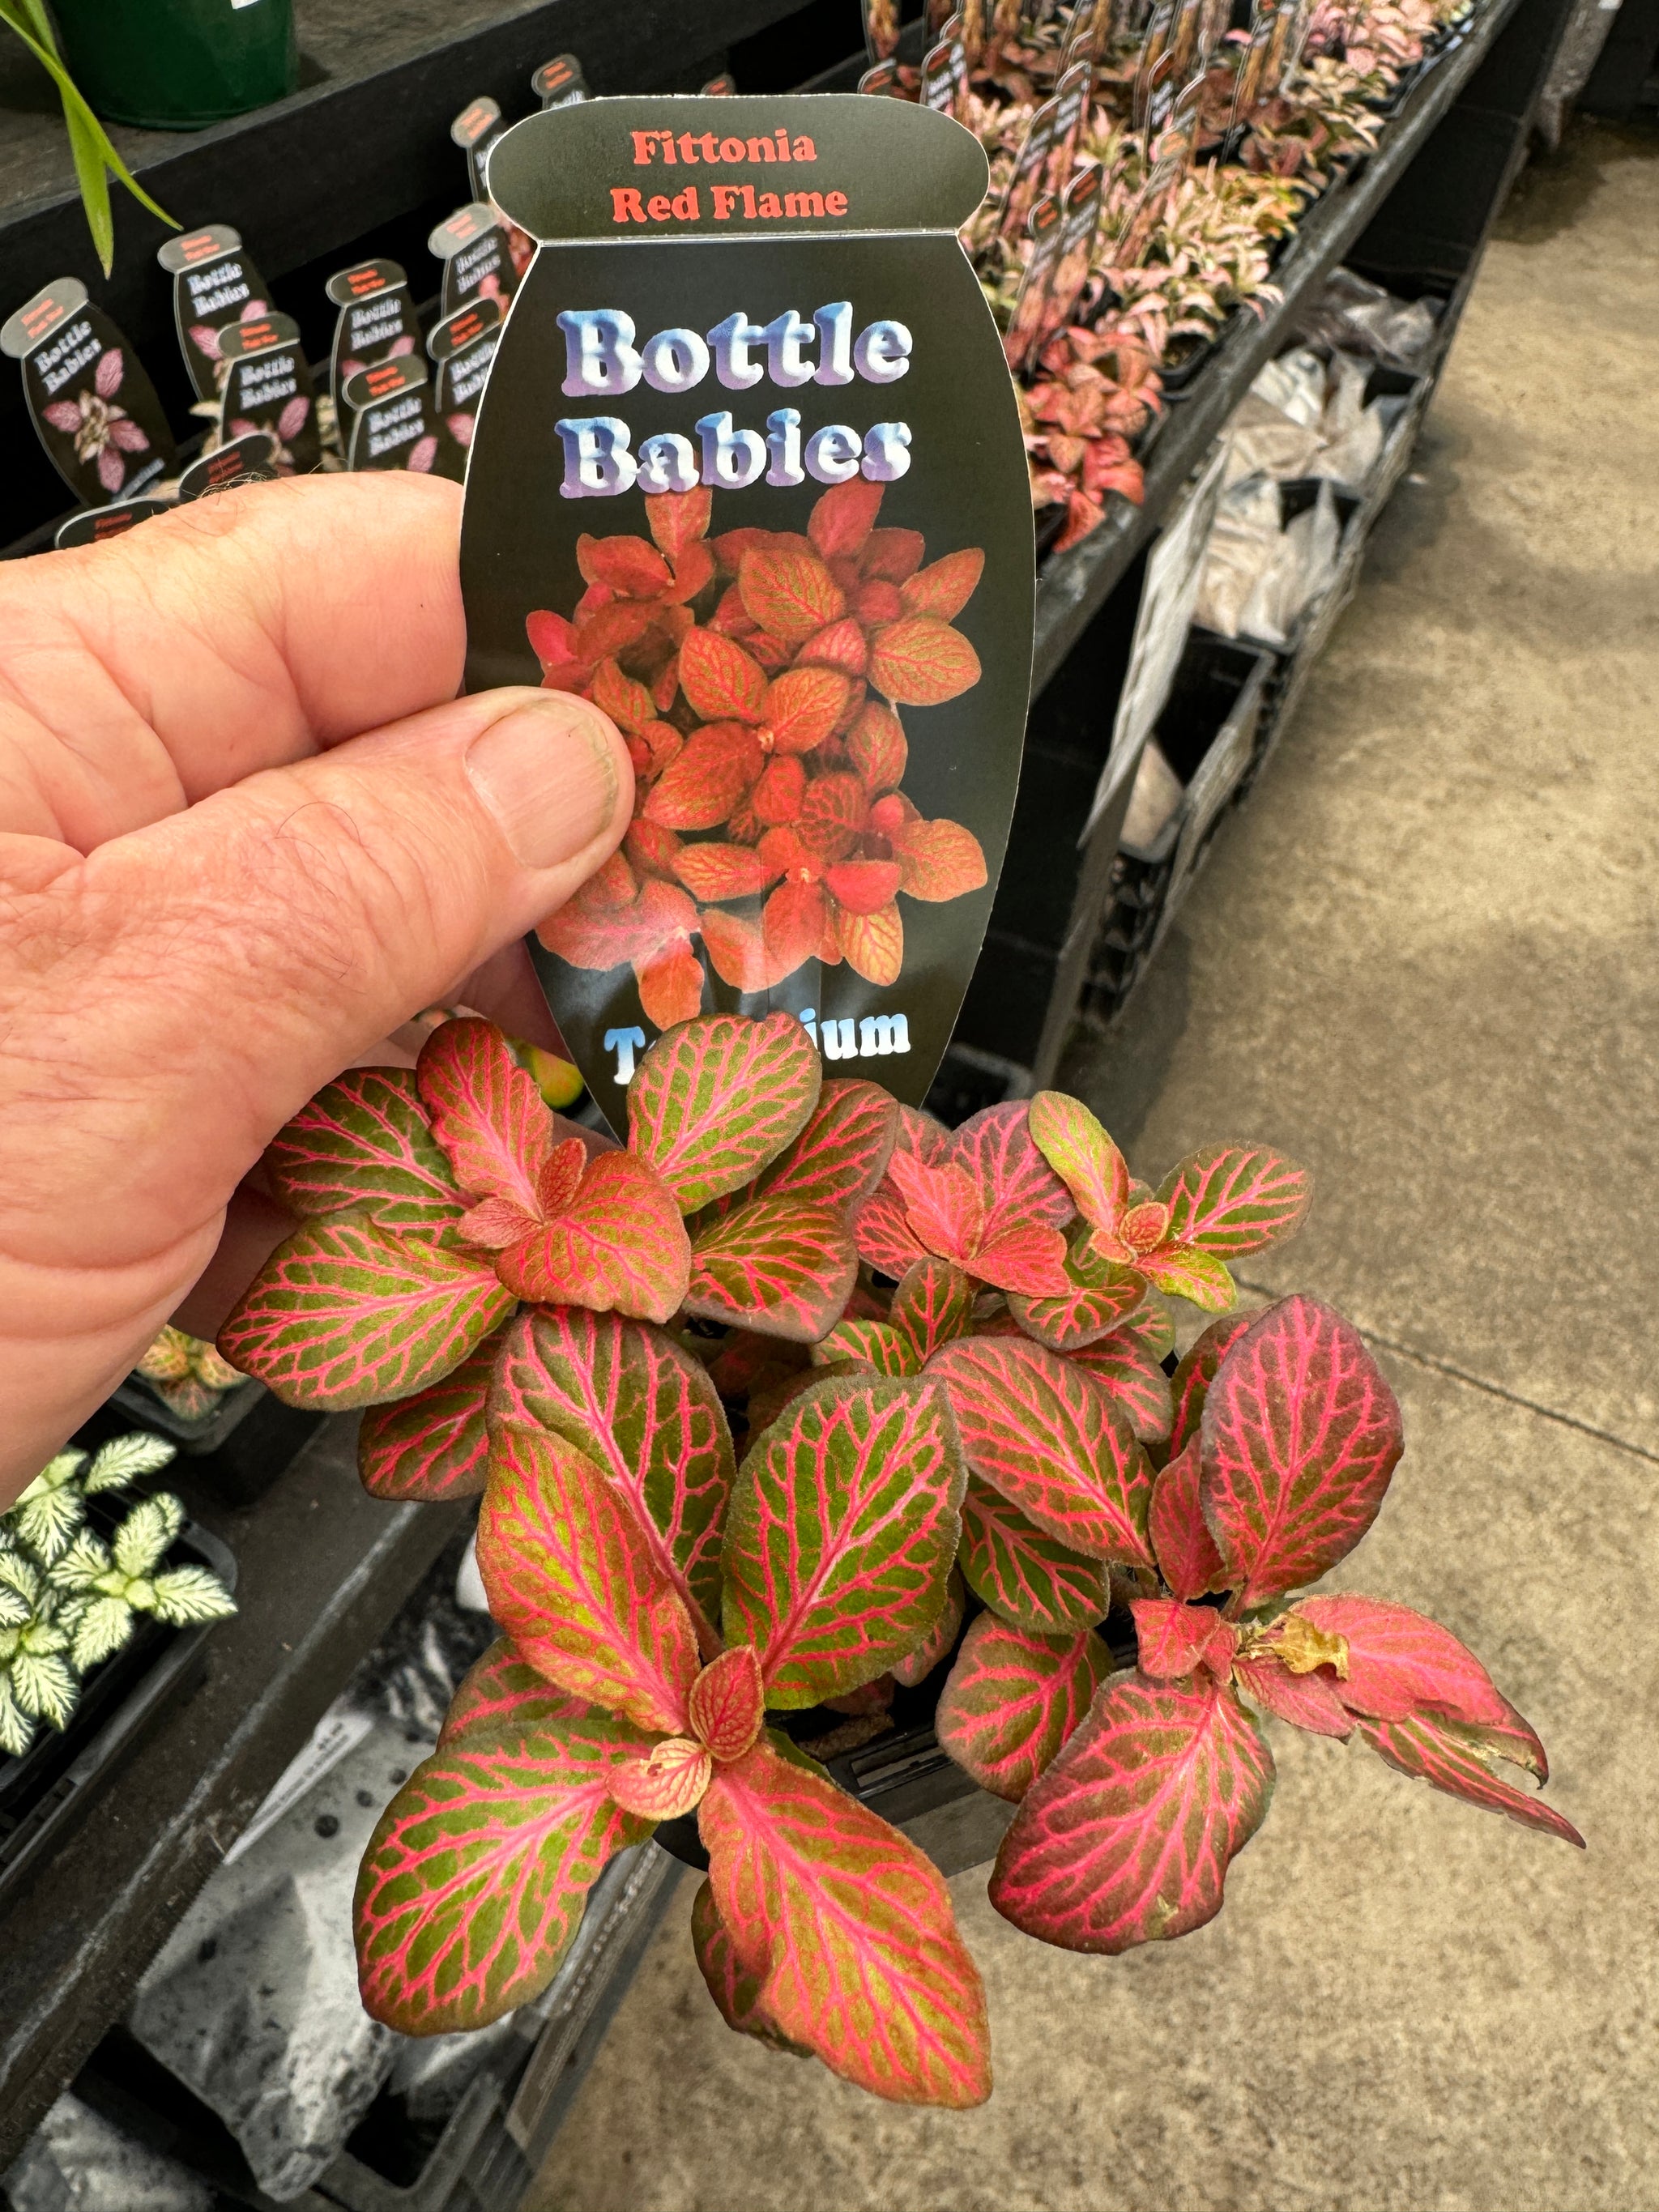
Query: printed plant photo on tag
point(478, 256)
point(377, 320)
point(270, 388)
point(392, 424)
point(749, 474)
point(94, 407)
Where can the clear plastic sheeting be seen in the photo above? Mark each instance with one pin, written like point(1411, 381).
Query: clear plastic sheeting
point(1357, 316)
point(1308, 416)
point(1260, 572)
point(78, 2161)
point(1154, 801)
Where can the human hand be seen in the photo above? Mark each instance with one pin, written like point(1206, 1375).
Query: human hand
point(246, 830)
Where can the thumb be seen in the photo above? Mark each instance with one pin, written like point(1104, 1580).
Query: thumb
point(195, 981)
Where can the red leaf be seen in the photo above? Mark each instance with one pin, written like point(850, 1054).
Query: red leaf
point(944, 587)
point(1048, 1436)
point(789, 594)
point(848, 1930)
point(502, 1693)
point(722, 683)
point(1300, 1435)
point(726, 1704)
point(346, 1313)
point(891, 556)
point(1197, 1371)
point(553, 641)
point(1029, 1578)
point(920, 662)
point(868, 1343)
point(1101, 1297)
point(701, 786)
point(875, 745)
point(1134, 1377)
point(933, 1305)
point(1018, 1187)
point(842, 1529)
point(486, 1112)
point(722, 872)
point(636, 1401)
point(475, 1879)
point(779, 1265)
point(736, 1992)
point(364, 1142)
point(939, 860)
point(802, 706)
point(843, 518)
point(1306, 1701)
point(664, 1781)
point(831, 817)
point(1175, 1640)
point(1452, 1757)
point(620, 1246)
point(739, 952)
point(791, 925)
point(572, 1577)
point(1235, 1198)
point(779, 795)
point(882, 1230)
point(435, 1445)
point(679, 518)
point(625, 564)
point(1186, 1555)
point(670, 984)
point(874, 945)
point(936, 1646)
point(1399, 1662)
point(694, 571)
point(714, 1102)
point(840, 644)
point(862, 887)
point(1082, 1154)
point(629, 704)
point(840, 1154)
point(1127, 1837)
point(1014, 1700)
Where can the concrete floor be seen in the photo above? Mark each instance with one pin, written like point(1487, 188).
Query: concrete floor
point(1423, 961)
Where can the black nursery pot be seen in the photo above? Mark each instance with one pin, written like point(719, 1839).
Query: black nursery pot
point(44, 1793)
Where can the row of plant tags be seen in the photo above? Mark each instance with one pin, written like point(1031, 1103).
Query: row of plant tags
point(761, 1408)
point(1144, 163)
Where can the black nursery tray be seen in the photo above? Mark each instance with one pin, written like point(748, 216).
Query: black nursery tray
point(45, 1790)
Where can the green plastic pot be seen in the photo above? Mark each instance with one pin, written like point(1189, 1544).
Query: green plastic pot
point(177, 64)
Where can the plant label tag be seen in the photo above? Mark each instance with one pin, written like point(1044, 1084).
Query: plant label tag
point(94, 408)
point(560, 82)
point(478, 256)
point(462, 349)
point(945, 76)
point(243, 460)
point(215, 282)
point(269, 388)
point(882, 78)
point(93, 525)
point(749, 474)
point(723, 87)
point(475, 130)
point(1030, 167)
point(1071, 105)
point(1025, 326)
point(377, 320)
point(392, 426)
point(881, 29)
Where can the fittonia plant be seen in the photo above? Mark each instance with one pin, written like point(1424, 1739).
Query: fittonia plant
point(944, 1357)
point(69, 1599)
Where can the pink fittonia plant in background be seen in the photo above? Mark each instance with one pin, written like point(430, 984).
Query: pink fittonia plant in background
point(943, 1355)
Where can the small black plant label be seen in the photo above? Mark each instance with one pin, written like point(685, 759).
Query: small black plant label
point(215, 283)
point(377, 320)
point(749, 474)
point(560, 82)
point(243, 460)
point(93, 525)
point(94, 407)
point(393, 422)
point(462, 347)
point(476, 130)
point(269, 388)
point(478, 257)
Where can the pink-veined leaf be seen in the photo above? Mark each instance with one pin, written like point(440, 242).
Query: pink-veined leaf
point(1020, 1189)
point(713, 1101)
point(838, 1157)
point(111, 369)
point(1234, 1198)
point(842, 518)
point(876, 745)
point(943, 587)
point(1081, 1153)
point(1049, 1438)
point(843, 1525)
point(727, 1703)
point(735, 1991)
point(620, 1245)
point(1152, 1329)
point(1194, 1377)
point(435, 1445)
point(1452, 1756)
point(1173, 1639)
point(1397, 1661)
point(664, 1781)
point(872, 944)
point(777, 1265)
point(1101, 1295)
point(1127, 1837)
point(1300, 1435)
point(1186, 1556)
point(701, 786)
point(848, 1930)
point(1132, 1374)
point(476, 1878)
point(916, 1665)
point(1183, 1271)
point(801, 707)
point(933, 1305)
point(885, 1236)
point(1306, 1701)
point(1014, 1699)
point(877, 1344)
point(920, 661)
point(678, 519)
point(503, 1694)
point(1028, 1577)
point(364, 1142)
point(719, 678)
point(789, 594)
point(938, 860)
point(347, 1312)
point(636, 1401)
point(572, 1578)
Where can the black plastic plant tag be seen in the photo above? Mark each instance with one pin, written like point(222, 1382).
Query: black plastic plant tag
point(393, 422)
point(462, 347)
point(1025, 326)
point(882, 78)
point(95, 410)
point(243, 460)
point(475, 130)
point(93, 525)
point(1030, 167)
point(215, 283)
point(560, 82)
point(881, 29)
point(473, 245)
point(945, 76)
point(748, 473)
point(377, 320)
point(269, 388)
